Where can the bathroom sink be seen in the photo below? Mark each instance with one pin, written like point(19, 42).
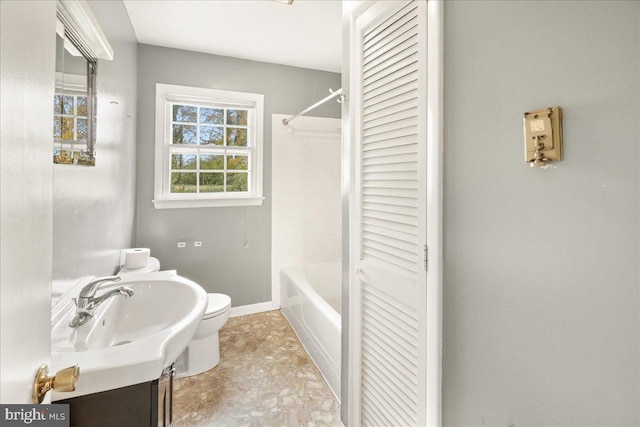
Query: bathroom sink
point(130, 340)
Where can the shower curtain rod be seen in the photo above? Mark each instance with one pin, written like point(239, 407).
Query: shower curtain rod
point(317, 104)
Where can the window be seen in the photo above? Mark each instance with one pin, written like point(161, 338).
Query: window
point(70, 118)
point(208, 147)
point(71, 125)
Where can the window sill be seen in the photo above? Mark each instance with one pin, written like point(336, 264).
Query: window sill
point(207, 203)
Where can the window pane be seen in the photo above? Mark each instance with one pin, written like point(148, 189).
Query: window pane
point(237, 182)
point(82, 129)
point(211, 182)
point(211, 161)
point(185, 113)
point(82, 106)
point(57, 126)
point(67, 105)
point(212, 116)
point(57, 104)
point(67, 128)
point(184, 134)
point(183, 161)
point(237, 117)
point(211, 135)
point(237, 162)
point(237, 137)
point(183, 182)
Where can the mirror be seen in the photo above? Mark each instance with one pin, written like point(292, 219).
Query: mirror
point(74, 102)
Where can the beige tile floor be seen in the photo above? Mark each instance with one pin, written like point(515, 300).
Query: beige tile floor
point(265, 378)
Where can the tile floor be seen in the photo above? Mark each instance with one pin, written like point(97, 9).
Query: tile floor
point(265, 378)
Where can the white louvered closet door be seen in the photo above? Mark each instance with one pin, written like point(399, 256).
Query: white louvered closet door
point(388, 84)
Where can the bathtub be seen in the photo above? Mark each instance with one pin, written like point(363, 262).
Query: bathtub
point(310, 300)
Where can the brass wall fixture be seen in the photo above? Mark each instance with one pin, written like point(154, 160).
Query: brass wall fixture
point(63, 380)
point(543, 136)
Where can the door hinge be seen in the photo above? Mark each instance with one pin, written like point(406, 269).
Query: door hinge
point(426, 257)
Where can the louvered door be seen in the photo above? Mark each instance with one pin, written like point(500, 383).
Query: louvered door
point(389, 113)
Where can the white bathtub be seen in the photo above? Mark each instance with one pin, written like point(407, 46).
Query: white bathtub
point(310, 298)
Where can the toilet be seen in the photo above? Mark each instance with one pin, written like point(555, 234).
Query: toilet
point(203, 351)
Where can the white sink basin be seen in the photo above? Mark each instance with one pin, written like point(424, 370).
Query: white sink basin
point(130, 340)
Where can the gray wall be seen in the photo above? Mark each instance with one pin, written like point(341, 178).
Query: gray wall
point(541, 280)
point(94, 207)
point(222, 264)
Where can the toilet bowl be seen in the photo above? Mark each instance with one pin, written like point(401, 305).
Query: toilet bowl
point(203, 351)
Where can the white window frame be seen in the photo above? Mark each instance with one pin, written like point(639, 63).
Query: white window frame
point(166, 95)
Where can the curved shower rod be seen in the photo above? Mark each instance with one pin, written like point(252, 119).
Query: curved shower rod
point(317, 104)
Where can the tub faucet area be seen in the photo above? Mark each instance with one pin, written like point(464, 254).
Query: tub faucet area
point(86, 303)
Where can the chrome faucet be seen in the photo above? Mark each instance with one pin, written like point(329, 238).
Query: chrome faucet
point(86, 303)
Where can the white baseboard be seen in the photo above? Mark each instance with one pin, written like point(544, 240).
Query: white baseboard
point(244, 310)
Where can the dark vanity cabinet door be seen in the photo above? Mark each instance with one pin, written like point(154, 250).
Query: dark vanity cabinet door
point(147, 404)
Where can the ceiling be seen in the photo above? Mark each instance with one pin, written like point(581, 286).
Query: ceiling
point(305, 34)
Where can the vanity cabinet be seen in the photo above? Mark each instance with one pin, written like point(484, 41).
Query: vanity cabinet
point(139, 405)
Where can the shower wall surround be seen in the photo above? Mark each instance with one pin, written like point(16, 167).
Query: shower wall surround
point(306, 223)
point(235, 256)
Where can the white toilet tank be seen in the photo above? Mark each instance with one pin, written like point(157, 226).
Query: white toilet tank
point(153, 265)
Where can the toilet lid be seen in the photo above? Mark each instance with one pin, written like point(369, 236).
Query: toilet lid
point(217, 304)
